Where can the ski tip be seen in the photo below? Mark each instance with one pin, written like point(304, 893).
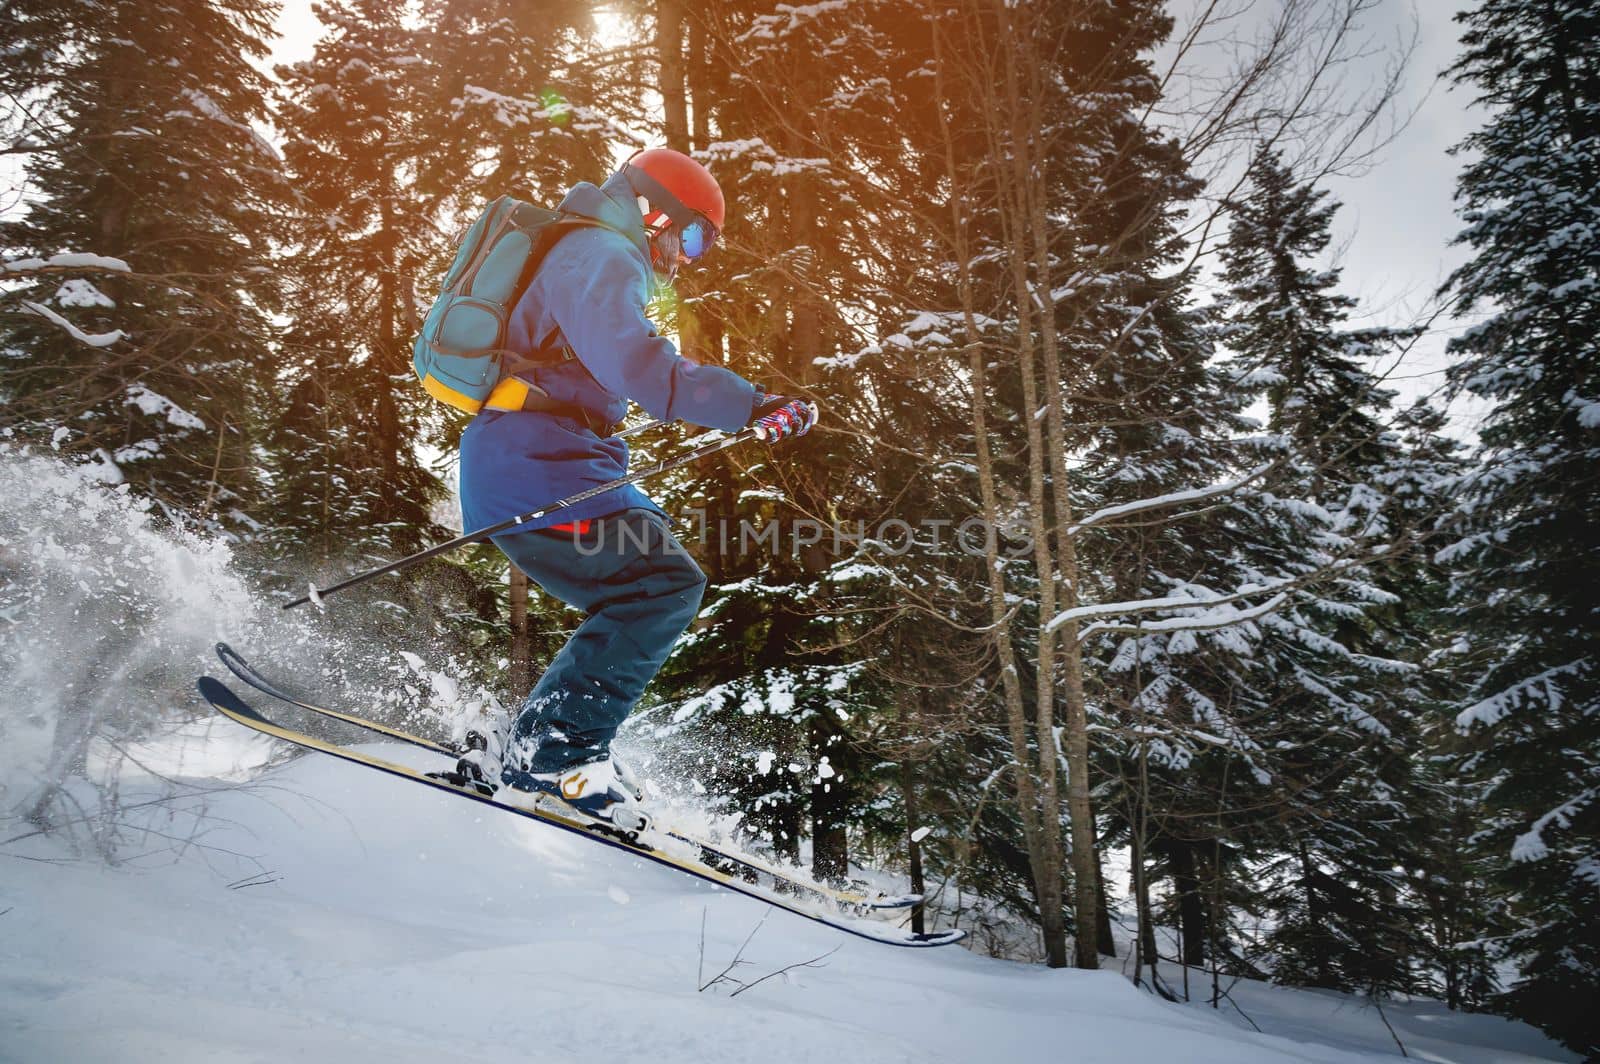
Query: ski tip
point(214, 690)
point(222, 697)
point(247, 672)
point(230, 657)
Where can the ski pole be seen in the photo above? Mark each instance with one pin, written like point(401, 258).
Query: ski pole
point(648, 426)
point(683, 458)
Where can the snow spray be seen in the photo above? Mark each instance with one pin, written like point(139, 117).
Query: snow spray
point(108, 613)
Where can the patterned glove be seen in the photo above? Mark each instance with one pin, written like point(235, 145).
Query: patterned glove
point(778, 416)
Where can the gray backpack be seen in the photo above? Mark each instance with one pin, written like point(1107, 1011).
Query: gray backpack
point(460, 355)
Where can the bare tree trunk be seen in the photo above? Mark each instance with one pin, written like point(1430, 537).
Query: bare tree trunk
point(1023, 148)
point(520, 678)
point(1046, 873)
point(1315, 921)
point(1064, 575)
point(1139, 837)
point(830, 845)
point(908, 792)
point(699, 330)
point(788, 824)
point(803, 341)
point(1145, 951)
point(1080, 812)
point(1108, 941)
point(669, 51)
point(699, 67)
point(386, 363)
point(324, 546)
point(1191, 908)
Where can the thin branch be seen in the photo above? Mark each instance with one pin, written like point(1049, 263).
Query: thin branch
point(737, 957)
point(1379, 1005)
point(814, 962)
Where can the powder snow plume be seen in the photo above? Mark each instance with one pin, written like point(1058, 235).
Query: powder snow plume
point(107, 614)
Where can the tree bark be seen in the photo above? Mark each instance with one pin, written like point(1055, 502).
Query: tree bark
point(830, 846)
point(1023, 144)
point(908, 792)
point(1045, 871)
point(669, 50)
point(1145, 951)
point(788, 823)
point(1191, 907)
point(520, 677)
point(1108, 941)
point(1080, 812)
point(1315, 922)
point(699, 67)
point(385, 363)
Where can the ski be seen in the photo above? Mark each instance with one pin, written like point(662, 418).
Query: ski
point(230, 705)
point(246, 672)
point(846, 899)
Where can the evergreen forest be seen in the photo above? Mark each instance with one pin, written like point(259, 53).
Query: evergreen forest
point(1117, 602)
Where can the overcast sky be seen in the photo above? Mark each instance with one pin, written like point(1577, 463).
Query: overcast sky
point(1394, 231)
point(1399, 218)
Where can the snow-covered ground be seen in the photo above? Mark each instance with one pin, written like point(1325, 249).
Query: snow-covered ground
point(318, 911)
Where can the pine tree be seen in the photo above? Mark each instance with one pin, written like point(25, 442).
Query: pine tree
point(348, 475)
point(506, 115)
point(1527, 591)
point(768, 303)
point(511, 100)
point(1448, 886)
point(1331, 682)
point(1286, 329)
point(145, 151)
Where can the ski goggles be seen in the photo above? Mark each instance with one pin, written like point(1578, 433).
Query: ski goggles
point(696, 236)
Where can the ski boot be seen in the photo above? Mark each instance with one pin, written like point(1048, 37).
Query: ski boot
point(595, 791)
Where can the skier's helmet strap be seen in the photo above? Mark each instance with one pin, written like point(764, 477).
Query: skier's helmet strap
point(684, 190)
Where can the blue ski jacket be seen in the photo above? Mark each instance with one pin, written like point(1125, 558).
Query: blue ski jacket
point(593, 287)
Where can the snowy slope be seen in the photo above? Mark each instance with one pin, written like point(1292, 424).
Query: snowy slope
point(389, 923)
point(319, 911)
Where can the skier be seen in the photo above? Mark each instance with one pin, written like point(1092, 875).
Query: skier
point(612, 556)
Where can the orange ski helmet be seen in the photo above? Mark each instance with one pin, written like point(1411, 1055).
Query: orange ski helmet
point(684, 191)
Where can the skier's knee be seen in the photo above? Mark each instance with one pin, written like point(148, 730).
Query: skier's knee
point(692, 590)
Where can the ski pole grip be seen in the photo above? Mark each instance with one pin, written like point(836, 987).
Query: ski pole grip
point(768, 436)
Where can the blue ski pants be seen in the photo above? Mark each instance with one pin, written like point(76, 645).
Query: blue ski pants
point(640, 590)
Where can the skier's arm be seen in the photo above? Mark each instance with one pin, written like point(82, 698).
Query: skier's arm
point(598, 301)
